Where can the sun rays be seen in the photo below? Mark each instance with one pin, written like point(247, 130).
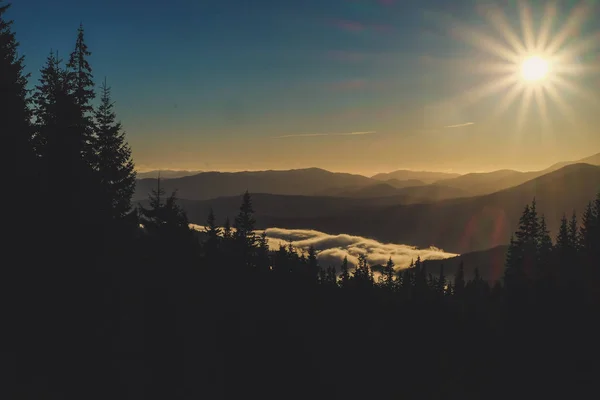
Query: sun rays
point(536, 65)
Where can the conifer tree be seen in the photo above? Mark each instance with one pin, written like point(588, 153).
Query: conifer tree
point(213, 232)
point(14, 103)
point(46, 105)
point(113, 157)
point(388, 273)
point(574, 239)
point(244, 223)
point(362, 273)
point(227, 234)
point(313, 264)
point(245, 237)
point(81, 86)
point(70, 185)
point(165, 219)
point(15, 126)
point(590, 234)
point(523, 250)
point(563, 241)
point(544, 251)
point(345, 273)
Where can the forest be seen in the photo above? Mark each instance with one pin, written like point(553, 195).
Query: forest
point(109, 299)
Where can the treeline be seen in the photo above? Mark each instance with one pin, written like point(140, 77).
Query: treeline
point(106, 299)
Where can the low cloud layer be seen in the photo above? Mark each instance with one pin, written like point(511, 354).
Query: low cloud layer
point(324, 134)
point(333, 248)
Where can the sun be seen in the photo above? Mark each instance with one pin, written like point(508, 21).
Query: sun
point(543, 62)
point(534, 69)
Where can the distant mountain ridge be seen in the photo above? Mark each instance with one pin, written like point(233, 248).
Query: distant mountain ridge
point(490, 182)
point(457, 225)
point(292, 182)
point(407, 186)
point(166, 174)
point(424, 176)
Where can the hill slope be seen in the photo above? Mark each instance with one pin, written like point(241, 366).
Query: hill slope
point(490, 182)
point(489, 262)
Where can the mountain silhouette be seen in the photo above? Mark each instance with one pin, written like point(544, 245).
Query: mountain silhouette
point(424, 176)
point(490, 264)
point(209, 185)
point(457, 225)
point(490, 182)
point(166, 174)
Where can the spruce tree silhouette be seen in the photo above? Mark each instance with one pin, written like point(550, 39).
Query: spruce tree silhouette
point(212, 243)
point(81, 86)
point(112, 157)
point(388, 274)
point(244, 235)
point(14, 103)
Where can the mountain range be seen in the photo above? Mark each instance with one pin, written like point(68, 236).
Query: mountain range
point(460, 214)
point(405, 186)
point(457, 225)
point(166, 174)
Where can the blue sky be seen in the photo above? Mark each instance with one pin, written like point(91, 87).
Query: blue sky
point(210, 84)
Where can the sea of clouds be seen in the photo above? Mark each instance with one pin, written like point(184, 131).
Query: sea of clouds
point(333, 248)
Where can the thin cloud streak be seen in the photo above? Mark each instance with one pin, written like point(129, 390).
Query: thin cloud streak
point(325, 134)
point(460, 125)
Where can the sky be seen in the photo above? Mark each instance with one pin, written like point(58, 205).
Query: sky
point(360, 86)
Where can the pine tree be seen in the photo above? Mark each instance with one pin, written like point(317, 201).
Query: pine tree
point(408, 278)
point(574, 239)
point(388, 273)
point(523, 250)
point(362, 273)
point(81, 86)
point(69, 179)
point(113, 157)
point(14, 103)
point(213, 232)
point(165, 219)
point(244, 234)
point(227, 234)
point(313, 264)
point(563, 241)
point(345, 273)
point(544, 251)
point(46, 100)
point(590, 232)
point(15, 127)
point(420, 276)
point(80, 73)
point(244, 222)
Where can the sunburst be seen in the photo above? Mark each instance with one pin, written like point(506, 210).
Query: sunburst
point(535, 65)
